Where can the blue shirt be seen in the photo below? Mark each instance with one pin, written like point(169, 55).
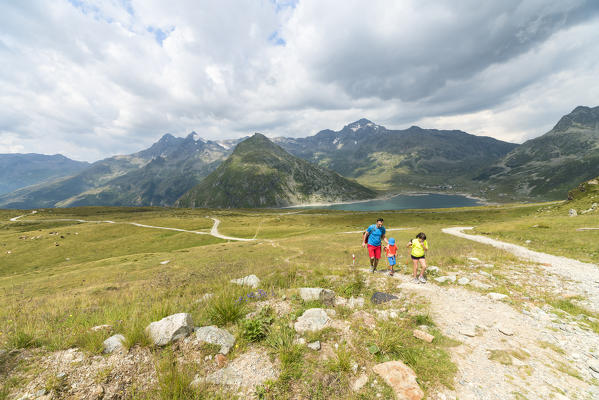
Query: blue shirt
point(375, 234)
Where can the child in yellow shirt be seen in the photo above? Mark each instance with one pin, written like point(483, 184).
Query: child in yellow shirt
point(419, 246)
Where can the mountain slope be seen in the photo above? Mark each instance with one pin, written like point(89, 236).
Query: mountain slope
point(413, 158)
point(154, 176)
point(548, 166)
point(261, 174)
point(21, 170)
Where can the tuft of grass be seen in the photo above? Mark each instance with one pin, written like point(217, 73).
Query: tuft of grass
point(342, 360)
point(354, 287)
point(501, 356)
point(173, 380)
point(20, 339)
point(552, 346)
point(224, 309)
point(423, 319)
point(280, 337)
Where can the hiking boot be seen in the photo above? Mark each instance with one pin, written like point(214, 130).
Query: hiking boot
point(391, 273)
point(372, 269)
point(422, 279)
point(415, 280)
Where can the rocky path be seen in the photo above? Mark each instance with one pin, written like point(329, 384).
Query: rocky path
point(584, 277)
point(511, 354)
point(213, 231)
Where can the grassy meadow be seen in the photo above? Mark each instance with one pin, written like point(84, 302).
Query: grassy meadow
point(58, 279)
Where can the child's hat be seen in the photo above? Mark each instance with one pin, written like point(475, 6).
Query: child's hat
point(392, 241)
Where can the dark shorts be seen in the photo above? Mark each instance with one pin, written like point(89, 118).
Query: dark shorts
point(374, 251)
point(416, 258)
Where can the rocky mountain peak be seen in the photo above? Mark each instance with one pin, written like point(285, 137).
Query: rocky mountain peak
point(582, 116)
point(361, 124)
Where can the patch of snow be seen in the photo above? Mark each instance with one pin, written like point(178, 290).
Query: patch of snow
point(224, 145)
point(198, 138)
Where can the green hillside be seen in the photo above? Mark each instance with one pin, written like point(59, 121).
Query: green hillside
point(262, 174)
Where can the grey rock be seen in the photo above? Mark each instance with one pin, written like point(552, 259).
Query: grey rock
point(213, 335)
point(380, 297)
point(170, 329)
point(250, 280)
point(246, 371)
point(483, 273)
point(442, 279)
point(311, 294)
point(480, 285)
point(113, 343)
point(572, 213)
point(496, 296)
point(468, 331)
point(41, 392)
point(463, 281)
point(101, 328)
point(314, 345)
point(327, 297)
point(312, 320)
point(474, 259)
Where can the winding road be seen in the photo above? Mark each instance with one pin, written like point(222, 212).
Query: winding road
point(213, 230)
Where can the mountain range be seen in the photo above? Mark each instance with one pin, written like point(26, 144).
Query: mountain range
point(261, 174)
point(193, 171)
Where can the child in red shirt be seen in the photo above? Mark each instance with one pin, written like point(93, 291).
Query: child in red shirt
point(391, 251)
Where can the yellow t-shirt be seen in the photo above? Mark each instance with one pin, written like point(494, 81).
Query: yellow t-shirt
point(417, 248)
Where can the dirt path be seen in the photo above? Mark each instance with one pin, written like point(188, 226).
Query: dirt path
point(584, 277)
point(213, 231)
point(542, 356)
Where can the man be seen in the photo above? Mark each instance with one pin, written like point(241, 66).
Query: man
point(375, 234)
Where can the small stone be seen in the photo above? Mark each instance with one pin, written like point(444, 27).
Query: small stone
point(427, 337)
point(366, 318)
point(433, 269)
point(473, 259)
point(354, 302)
point(113, 343)
point(41, 392)
point(61, 375)
point(496, 296)
point(165, 262)
point(340, 301)
point(310, 294)
point(528, 241)
point(463, 281)
point(380, 297)
point(572, 213)
point(327, 297)
point(250, 280)
point(359, 383)
point(354, 368)
point(97, 392)
point(468, 331)
point(441, 279)
point(101, 328)
point(221, 360)
point(506, 331)
point(480, 285)
point(594, 365)
point(314, 345)
point(401, 378)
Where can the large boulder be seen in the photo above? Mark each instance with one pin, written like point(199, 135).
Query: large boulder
point(326, 296)
point(250, 280)
point(401, 378)
point(113, 343)
point(213, 335)
point(312, 320)
point(170, 329)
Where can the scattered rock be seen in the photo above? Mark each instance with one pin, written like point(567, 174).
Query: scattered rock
point(205, 297)
point(380, 297)
point(365, 317)
point(442, 279)
point(312, 320)
point(314, 345)
point(433, 269)
point(310, 294)
point(427, 337)
point(213, 335)
point(40, 393)
point(327, 297)
point(340, 301)
point(594, 365)
point(170, 329)
point(354, 302)
point(221, 360)
point(468, 331)
point(165, 262)
point(97, 392)
point(474, 259)
point(480, 285)
point(572, 213)
point(113, 343)
point(496, 296)
point(463, 281)
point(101, 328)
point(387, 314)
point(246, 371)
point(250, 280)
point(401, 378)
point(484, 273)
point(359, 383)
point(505, 330)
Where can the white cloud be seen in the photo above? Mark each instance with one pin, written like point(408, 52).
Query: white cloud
point(94, 78)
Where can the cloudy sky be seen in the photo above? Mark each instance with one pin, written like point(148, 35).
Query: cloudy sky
point(90, 79)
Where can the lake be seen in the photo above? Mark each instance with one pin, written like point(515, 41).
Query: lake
point(406, 201)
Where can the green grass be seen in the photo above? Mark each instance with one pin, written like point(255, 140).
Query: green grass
point(112, 274)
